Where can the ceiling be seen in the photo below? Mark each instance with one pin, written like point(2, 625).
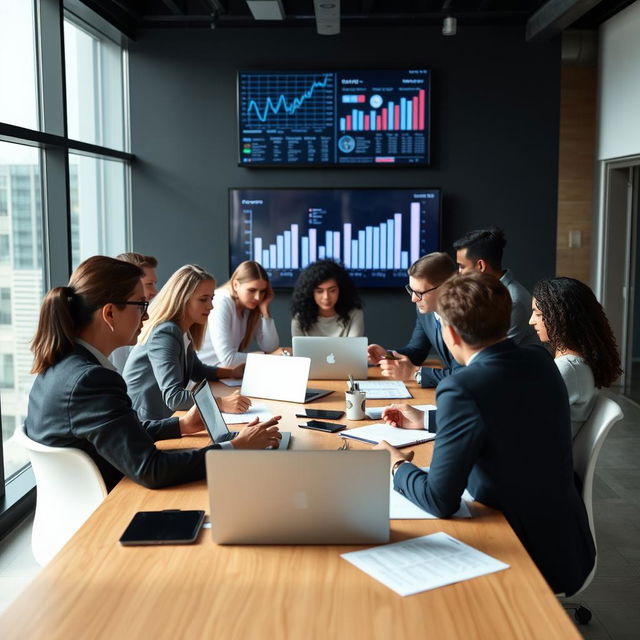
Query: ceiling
point(541, 18)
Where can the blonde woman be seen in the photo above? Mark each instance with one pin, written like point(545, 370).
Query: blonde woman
point(164, 361)
point(241, 314)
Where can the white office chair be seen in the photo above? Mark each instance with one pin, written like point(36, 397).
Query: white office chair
point(586, 449)
point(69, 487)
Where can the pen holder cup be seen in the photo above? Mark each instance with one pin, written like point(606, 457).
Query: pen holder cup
point(355, 402)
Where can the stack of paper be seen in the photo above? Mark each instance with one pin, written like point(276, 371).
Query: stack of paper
point(423, 563)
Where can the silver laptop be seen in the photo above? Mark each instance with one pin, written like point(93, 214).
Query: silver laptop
point(279, 378)
point(214, 420)
point(333, 358)
point(299, 497)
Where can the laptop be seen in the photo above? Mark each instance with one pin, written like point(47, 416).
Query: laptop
point(213, 419)
point(333, 358)
point(279, 378)
point(299, 497)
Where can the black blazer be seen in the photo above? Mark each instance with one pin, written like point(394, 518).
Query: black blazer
point(504, 432)
point(427, 334)
point(79, 403)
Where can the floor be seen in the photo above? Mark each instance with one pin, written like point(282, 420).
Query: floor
point(614, 595)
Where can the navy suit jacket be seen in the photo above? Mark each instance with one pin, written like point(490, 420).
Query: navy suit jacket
point(427, 334)
point(504, 432)
point(79, 403)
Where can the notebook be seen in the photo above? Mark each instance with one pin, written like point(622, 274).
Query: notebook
point(213, 419)
point(298, 497)
point(279, 378)
point(333, 358)
point(375, 433)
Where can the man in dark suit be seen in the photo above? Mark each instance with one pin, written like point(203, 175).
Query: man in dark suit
point(426, 275)
point(503, 431)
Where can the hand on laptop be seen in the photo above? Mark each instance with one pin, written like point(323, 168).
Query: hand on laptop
point(233, 403)
point(399, 369)
point(375, 353)
point(191, 422)
point(396, 454)
point(259, 435)
point(404, 416)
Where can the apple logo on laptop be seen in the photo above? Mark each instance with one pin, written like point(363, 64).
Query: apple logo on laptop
point(331, 359)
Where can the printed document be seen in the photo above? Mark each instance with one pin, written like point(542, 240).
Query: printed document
point(424, 563)
point(259, 411)
point(375, 413)
point(378, 389)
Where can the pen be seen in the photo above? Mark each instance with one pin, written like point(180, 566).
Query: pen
point(390, 356)
point(285, 352)
point(351, 384)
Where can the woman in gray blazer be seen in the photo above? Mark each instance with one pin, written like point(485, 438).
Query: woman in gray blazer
point(164, 362)
point(79, 400)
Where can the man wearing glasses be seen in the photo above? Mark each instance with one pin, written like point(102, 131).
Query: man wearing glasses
point(425, 277)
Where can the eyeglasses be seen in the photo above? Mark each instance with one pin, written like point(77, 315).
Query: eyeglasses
point(143, 304)
point(418, 294)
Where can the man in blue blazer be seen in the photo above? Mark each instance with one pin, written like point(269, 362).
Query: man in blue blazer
point(426, 275)
point(503, 431)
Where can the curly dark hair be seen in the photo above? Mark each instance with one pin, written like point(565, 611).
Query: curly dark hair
point(575, 320)
point(303, 305)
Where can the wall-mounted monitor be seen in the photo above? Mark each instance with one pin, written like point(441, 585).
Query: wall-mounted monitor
point(334, 118)
point(375, 233)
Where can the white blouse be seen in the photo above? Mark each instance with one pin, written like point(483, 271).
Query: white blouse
point(225, 331)
point(578, 378)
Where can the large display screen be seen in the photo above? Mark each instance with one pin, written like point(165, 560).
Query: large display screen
point(321, 118)
point(375, 233)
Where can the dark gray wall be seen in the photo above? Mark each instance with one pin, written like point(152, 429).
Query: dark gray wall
point(495, 118)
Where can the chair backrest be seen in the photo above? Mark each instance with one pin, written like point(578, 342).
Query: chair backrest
point(588, 443)
point(69, 486)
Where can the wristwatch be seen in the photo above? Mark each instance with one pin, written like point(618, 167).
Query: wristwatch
point(395, 466)
point(418, 376)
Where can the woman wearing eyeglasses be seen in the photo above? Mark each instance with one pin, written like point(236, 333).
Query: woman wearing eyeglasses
point(79, 400)
point(162, 365)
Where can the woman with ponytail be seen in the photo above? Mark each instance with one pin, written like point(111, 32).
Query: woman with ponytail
point(79, 400)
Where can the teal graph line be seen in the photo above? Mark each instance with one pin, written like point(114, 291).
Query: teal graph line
point(281, 102)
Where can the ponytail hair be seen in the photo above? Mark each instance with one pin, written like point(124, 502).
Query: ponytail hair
point(65, 311)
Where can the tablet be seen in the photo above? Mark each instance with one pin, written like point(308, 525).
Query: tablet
point(163, 527)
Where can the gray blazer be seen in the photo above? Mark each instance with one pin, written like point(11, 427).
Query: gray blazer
point(520, 331)
point(158, 372)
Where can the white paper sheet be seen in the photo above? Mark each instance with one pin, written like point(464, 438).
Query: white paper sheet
point(374, 433)
point(423, 563)
point(259, 411)
point(400, 508)
point(231, 382)
point(375, 413)
point(378, 389)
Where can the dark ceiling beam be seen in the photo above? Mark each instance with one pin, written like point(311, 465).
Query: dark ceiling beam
point(553, 17)
point(175, 6)
point(125, 20)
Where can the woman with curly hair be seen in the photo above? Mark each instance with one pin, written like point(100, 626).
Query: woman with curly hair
point(325, 302)
point(567, 315)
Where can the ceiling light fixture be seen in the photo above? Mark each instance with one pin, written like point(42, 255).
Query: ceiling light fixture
point(266, 9)
point(327, 17)
point(449, 26)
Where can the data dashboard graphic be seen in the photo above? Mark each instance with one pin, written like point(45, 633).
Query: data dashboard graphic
point(346, 117)
point(375, 233)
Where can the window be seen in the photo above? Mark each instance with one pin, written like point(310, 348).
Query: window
point(7, 378)
point(5, 306)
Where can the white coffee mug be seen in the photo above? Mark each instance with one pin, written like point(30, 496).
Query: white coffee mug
point(355, 402)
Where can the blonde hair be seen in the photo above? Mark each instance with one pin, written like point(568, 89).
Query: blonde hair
point(170, 303)
point(246, 272)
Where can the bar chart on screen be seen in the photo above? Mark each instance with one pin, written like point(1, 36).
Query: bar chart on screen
point(375, 233)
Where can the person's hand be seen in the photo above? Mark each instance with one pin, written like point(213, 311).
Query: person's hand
point(233, 403)
point(238, 372)
point(404, 416)
point(399, 369)
point(259, 435)
point(191, 422)
point(395, 454)
point(375, 352)
point(269, 295)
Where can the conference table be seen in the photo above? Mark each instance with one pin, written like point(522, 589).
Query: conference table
point(96, 588)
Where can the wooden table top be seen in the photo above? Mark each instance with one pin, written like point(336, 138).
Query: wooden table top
point(95, 588)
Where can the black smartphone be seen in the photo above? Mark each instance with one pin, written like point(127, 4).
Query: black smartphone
point(163, 527)
point(320, 413)
point(319, 425)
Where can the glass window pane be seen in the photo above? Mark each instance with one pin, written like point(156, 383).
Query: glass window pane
point(95, 99)
point(21, 275)
point(18, 86)
point(98, 207)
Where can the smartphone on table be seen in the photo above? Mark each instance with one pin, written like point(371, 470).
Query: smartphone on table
point(319, 425)
point(320, 414)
